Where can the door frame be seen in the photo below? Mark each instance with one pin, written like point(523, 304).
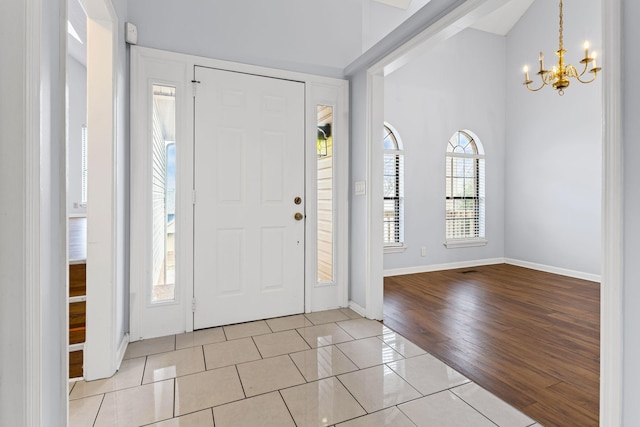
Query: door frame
point(319, 90)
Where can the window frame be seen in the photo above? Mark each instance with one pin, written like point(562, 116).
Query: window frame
point(398, 153)
point(478, 156)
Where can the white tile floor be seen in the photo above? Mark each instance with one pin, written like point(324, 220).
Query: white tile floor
point(331, 368)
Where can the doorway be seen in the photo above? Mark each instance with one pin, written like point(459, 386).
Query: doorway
point(258, 223)
point(611, 339)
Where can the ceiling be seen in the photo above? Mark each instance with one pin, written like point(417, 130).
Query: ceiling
point(502, 20)
point(499, 22)
point(78, 21)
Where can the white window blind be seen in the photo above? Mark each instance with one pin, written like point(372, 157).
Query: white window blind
point(393, 189)
point(465, 194)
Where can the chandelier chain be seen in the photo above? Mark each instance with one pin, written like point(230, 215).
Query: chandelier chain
point(561, 28)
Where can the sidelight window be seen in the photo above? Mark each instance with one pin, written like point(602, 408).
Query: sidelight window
point(324, 148)
point(163, 193)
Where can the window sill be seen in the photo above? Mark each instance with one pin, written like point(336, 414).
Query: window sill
point(395, 249)
point(465, 243)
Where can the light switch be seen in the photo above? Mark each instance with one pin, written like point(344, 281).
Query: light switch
point(361, 188)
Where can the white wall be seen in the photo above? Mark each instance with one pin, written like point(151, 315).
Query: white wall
point(458, 85)
point(553, 151)
point(317, 37)
point(76, 118)
point(357, 204)
point(631, 88)
point(357, 73)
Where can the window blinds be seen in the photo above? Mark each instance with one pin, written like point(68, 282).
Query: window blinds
point(464, 197)
point(393, 198)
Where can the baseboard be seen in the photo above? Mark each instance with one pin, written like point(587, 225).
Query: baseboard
point(122, 349)
point(440, 267)
point(357, 308)
point(555, 270)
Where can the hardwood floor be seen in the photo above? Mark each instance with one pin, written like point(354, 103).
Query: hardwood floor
point(531, 338)
point(77, 293)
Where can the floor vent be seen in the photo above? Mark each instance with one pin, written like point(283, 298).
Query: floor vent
point(469, 271)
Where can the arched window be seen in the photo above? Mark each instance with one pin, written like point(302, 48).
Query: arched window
point(393, 189)
point(465, 195)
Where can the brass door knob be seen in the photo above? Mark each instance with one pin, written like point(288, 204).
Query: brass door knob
point(298, 216)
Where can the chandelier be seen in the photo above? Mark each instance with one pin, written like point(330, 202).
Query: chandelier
point(559, 75)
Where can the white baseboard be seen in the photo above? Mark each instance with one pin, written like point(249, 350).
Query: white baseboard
point(555, 270)
point(357, 308)
point(477, 263)
point(122, 349)
point(440, 267)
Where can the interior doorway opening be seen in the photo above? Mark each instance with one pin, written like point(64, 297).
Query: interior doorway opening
point(611, 342)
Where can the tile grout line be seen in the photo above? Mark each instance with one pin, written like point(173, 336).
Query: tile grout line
point(240, 381)
point(95, 419)
point(298, 369)
point(257, 348)
point(144, 368)
point(400, 409)
point(287, 406)
point(204, 358)
point(470, 405)
point(175, 386)
point(351, 394)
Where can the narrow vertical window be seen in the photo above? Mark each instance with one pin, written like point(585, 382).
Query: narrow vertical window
point(163, 193)
point(84, 166)
point(324, 148)
point(393, 189)
point(465, 194)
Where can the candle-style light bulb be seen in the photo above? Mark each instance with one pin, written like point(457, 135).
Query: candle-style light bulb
point(594, 56)
point(586, 49)
point(526, 73)
point(541, 60)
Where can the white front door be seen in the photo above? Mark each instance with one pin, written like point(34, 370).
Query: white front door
point(248, 174)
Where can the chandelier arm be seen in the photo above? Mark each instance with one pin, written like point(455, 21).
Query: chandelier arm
point(535, 90)
point(584, 70)
point(587, 81)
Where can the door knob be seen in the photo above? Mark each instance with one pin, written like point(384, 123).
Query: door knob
point(298, 216)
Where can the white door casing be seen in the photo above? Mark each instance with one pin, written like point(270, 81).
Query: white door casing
point(249, 168)
point(152, 66)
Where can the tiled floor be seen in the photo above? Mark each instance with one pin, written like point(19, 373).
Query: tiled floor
point(330, 368)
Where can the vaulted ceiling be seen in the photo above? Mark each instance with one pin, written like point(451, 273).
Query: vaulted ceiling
point(499, 22)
